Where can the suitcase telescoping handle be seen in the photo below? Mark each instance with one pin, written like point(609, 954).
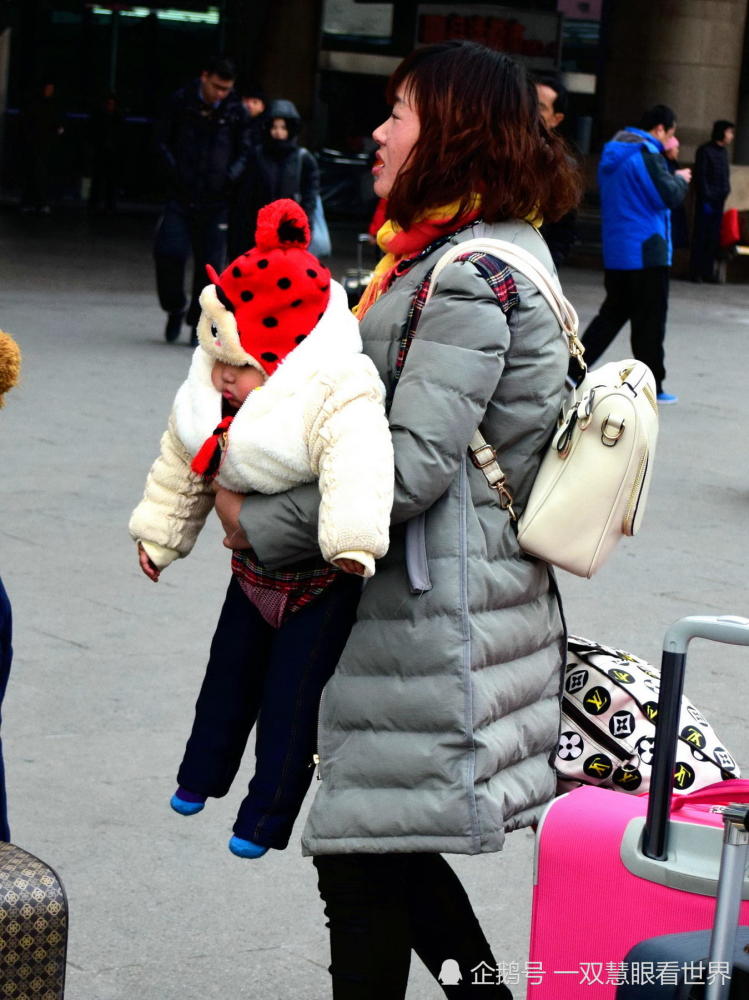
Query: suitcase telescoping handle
point(361, 239)
point(720, 628)
point(728, 904)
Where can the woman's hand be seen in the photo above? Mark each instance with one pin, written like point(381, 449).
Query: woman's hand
point(151, 571)
point(228, 506)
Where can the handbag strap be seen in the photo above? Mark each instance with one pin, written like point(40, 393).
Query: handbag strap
point(483, 455)
point(530, 267)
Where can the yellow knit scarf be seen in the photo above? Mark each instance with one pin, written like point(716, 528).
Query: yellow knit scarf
point(398, 243)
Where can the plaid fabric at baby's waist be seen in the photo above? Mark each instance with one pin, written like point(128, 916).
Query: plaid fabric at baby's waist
point(279, 593)
point(247, 563)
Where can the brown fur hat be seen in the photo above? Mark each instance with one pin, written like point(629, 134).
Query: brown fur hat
point(10, 364)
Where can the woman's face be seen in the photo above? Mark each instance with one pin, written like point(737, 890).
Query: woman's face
point(395, 138)
point(279, 129)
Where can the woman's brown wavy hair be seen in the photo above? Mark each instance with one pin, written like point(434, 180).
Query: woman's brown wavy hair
point(480, 131)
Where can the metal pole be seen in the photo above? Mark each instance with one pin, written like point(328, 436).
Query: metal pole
point(730, 891)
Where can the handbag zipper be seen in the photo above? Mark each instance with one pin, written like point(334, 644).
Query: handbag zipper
point(630, 511)
point(605, 741)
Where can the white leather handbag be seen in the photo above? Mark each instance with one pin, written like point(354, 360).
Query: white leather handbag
point(593, 481)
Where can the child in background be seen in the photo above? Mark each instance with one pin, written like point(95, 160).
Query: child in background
point(278, 394)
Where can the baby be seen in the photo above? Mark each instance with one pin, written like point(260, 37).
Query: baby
point(278, 394)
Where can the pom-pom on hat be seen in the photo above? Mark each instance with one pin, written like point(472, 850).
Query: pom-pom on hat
point(269, 299)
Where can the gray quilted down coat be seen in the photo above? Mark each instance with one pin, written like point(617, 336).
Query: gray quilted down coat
point(436, 729)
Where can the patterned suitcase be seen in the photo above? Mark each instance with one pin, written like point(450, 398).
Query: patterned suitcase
point(613, 869)
point(33, 928)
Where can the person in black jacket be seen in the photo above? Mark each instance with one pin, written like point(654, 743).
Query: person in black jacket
point(279, 168)
point(203, 142)
point(105, 132)
point(679, 224)
point(712, 185)
point(255, 101)
point(41, 125)
point(561, 235)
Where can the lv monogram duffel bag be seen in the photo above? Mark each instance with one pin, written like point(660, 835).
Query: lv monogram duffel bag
point(33, 928)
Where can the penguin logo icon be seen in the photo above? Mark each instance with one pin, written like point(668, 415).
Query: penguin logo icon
point(450, 973)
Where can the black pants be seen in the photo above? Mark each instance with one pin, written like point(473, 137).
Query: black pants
point(640, 297)
point(275, 676)
point(183, 231)
point(104, 179)
point(380, 907)
point(705, 241)
point(36, 179)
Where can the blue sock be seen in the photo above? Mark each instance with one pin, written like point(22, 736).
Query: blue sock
point(246, 848)
point(187, 803)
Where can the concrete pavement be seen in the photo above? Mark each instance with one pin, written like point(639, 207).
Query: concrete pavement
point(107, 665)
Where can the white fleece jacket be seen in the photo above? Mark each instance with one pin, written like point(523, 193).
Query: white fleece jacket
point(320, 415)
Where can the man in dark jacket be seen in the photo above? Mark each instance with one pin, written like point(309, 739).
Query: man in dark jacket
point(105, 134)
point(712, 187)
point(255, 101)
point(203, 142)
point(561, 235)
point(41, 125)
point(637, 195)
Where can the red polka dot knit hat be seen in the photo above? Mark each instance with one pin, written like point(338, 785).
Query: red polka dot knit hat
point(267, 300)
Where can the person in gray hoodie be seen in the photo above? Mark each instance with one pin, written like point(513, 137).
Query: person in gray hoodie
point(437, 727)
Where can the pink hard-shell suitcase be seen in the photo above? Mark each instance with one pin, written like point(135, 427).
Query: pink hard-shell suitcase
point(613, 869)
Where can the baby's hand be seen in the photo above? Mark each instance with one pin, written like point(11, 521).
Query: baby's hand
point(151, 571)
point(350, 566)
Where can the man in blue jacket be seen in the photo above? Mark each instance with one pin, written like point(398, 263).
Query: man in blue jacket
point(637, 195)
point(203, 142)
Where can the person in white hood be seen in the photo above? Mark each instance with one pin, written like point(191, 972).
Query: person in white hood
point(278, 394)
